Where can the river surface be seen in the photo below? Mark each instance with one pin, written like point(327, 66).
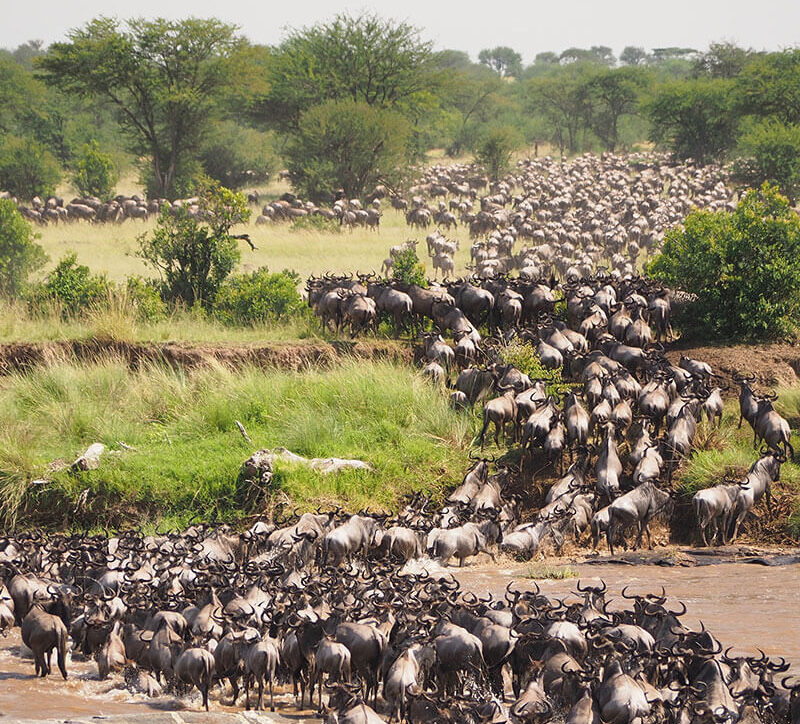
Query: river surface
point(744, 605)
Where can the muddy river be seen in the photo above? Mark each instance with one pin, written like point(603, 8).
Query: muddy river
point(746, 606)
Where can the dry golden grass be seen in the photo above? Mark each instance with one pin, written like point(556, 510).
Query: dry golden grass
point(111, 248)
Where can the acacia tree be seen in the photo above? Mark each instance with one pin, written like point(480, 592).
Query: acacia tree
point(565, 100)
point(615, 92)
point(366, 59)
point(162, 77)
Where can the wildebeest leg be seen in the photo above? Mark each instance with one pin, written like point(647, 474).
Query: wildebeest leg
point(611, 531)
point(260, 692)
point(235, 687)
point(271, 695)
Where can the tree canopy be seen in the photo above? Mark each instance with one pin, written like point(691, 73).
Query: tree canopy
point(694, 118)
point(347, 144)
point(503, 60)
point(366, 59)
point(744, 267)
point(162, 77)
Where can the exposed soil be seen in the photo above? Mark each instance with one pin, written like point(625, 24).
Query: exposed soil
point(772, 364)
point(288, 356)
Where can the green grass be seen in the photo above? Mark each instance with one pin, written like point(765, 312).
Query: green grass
point(118, 322)
point(545, 571)
point(188, 450)
point(728, 452)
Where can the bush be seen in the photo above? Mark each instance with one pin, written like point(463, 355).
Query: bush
point(524, 357)
point(494, 150)
point(73, 287)
point(744, 267)
point(194, 255)
point(19, 253)
point(316, 222)
point(27, 168)
point(237, 157)
point(408, 269)
point(94, 174)
point(771, 152)
point(349, 145)
point(143, 295)
point(258, 298)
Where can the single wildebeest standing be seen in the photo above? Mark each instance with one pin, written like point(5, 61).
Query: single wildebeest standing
point(639, 506)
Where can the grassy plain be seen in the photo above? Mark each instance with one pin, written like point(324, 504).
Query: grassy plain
point(188, 451)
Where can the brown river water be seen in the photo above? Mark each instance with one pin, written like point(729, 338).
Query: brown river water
point(744, 605)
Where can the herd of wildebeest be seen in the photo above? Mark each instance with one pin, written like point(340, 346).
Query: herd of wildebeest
point(348, 608)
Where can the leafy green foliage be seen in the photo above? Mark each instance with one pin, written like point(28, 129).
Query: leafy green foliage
point(143, 295)
point(162, 77)
point(502, 60)
point(770, 86)
point(694, 119)
point(771, 152)
point(27, 168)
point(367, 59)
point(236, 157)
point(563, 97)
point(94, 173)
point(189, 452)
point(743, 266)
point(259, 297)
point(524, 357)
point(347, 144)
point(195, 253)
point(408, 269)
point(495, 149)
point(615, 93)
point(20, 255)
point(72, 287)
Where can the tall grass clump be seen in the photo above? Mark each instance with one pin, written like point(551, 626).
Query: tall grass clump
point(187, 448)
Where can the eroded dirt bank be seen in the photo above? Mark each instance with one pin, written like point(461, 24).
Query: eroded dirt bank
point(281, 355)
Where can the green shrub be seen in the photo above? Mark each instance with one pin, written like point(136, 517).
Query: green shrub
point(143, 295)
point(316, 222)
point(194, 255)
point(27, 168)
point(259, 297)
point(770, 152)
point(237, 157)
point(495, 148)
point(347, 144)
point(73, 287)
point(744, 267)
point(94, 174)
point(408, 269)
point(19, 253)
point(524, 357)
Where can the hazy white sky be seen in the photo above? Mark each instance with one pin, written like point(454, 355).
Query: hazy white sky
point(529, 26)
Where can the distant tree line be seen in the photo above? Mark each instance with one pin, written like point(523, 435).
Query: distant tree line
point(356, 100)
